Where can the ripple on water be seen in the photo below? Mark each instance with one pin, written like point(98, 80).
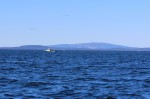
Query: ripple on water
point(74, 74)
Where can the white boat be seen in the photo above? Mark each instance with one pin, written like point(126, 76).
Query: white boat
point(49, 50)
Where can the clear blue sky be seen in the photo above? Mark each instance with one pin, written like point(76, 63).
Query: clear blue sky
point(47, 22)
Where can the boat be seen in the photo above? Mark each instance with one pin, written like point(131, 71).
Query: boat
point(49, 50)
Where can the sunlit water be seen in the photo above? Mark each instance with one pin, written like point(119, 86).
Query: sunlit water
point(74, 74)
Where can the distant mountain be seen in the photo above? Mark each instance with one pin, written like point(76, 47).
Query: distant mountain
point(33, 47)
point(27, 47)
point(80, 46)
point(89, 46)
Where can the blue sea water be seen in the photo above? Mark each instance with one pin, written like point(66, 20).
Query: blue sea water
point(74, 75)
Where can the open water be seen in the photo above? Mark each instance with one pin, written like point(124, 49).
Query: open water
point(74, 75)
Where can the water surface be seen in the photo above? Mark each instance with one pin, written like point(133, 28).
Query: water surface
point(74, 74)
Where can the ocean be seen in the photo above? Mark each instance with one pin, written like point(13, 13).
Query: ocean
point(26, 74)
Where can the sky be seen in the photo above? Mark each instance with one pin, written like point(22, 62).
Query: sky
point(50, 22)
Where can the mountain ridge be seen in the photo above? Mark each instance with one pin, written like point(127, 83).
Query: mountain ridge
point(80, 46)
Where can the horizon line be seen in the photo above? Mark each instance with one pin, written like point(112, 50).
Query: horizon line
point(71, 44)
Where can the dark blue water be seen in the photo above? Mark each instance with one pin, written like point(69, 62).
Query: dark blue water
point(74, 74)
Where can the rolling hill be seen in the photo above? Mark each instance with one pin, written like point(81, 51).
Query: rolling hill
point(80, 46)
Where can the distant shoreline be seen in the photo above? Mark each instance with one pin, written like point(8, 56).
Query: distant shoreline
point(80, 46)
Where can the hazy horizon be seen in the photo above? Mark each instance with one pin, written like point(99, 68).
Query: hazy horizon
point(47, 22)
point(75, 43)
